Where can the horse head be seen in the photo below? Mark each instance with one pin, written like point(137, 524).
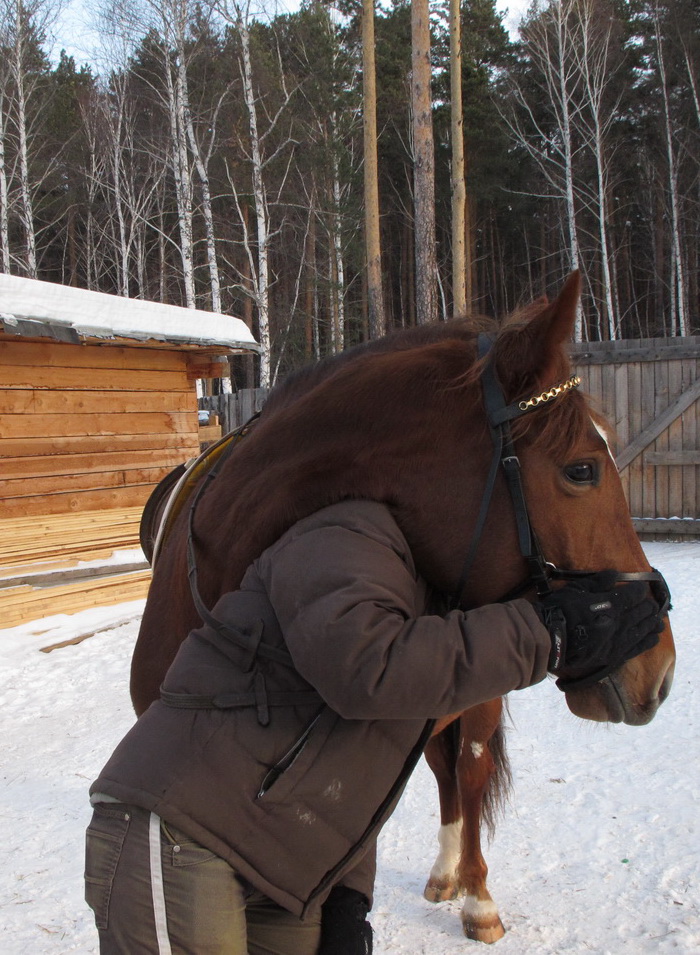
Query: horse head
point(575, 498)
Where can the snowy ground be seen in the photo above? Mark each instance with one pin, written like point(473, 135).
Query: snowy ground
point(599, 851)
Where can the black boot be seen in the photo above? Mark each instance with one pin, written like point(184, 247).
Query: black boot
point(344, 926)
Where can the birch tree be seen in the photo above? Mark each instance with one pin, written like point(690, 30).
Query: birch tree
point(181, 21)
point(18, 66)
point(679, 321)
point(26, 25)
point(594, 54)
point(150, 27)
point(239, 15)
point(5, 260)
point(94, 172)
point(189, 153)
point(542, 118)
point(132, 184)
point(181, 167)
point(327, 116)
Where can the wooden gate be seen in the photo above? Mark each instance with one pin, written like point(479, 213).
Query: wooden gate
point(649, 390)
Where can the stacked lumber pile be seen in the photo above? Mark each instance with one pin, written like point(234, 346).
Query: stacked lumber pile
point(87, 428)
point(209, 433)
point(92, 535)
point(41, 558)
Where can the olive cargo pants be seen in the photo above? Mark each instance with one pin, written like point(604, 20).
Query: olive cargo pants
point(155, 892)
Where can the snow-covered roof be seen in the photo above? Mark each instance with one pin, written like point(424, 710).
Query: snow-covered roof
point(29, 307)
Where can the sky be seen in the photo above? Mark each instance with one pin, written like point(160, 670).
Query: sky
point(75, 32)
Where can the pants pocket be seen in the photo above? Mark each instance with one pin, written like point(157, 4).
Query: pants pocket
point(180, 849)
point(104, 841)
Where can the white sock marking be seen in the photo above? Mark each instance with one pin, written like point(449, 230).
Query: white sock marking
point(450, 842)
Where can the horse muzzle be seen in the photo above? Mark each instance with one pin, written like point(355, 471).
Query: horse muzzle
point(615, 699)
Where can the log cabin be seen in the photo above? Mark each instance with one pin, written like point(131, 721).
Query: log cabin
point(98, 402)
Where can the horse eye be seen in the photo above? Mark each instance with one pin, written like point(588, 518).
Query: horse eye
point(580, 473)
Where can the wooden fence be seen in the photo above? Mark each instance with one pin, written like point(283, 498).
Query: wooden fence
point(234, 410)
point(649, 390)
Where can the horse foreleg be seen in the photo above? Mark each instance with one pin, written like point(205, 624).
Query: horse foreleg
point(441, 756)
point(477, 771)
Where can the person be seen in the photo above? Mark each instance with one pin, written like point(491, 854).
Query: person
point(240, 813)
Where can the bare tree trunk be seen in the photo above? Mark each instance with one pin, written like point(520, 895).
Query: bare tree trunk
point(375, 295)
point(693, 83)
point(238, 15)
point(183, 177)
point(162, 256)
point(200, 163)
point(91, 120)
point(472, 284)
point(678, 282)
point(563, 46)
point(592, 53)
point(423, 165)
point(261, 214)
point(117, 177)
point(338, 338)
point(4, 196)
point(26, 204)
point(5, 259)
point(310, 318)
point(459, 189)
point(246, 273)
point(551, 41)
point(332, 300)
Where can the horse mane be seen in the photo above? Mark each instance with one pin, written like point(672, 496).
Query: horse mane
point(308, 376)
point(560, 424)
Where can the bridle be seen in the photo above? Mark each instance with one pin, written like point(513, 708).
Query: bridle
point(541, 573)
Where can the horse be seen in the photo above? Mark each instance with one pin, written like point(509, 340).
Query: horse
point(407, 420)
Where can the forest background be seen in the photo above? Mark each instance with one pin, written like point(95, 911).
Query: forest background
point(214, 156)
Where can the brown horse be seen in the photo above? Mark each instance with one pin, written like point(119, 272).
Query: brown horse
point(403, 421)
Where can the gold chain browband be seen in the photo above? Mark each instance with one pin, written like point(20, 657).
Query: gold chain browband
point(553, 392)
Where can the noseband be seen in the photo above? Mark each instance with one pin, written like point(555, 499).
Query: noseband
point(541, 572)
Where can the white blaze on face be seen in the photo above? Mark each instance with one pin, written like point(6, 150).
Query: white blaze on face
point(450, 842)
point(477, 750)
point(604, 435)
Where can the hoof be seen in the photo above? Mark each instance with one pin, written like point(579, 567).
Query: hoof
point(484, 933)
point(441, 891)
point(480, 920)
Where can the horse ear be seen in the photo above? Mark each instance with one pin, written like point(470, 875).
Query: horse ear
point(531, 352)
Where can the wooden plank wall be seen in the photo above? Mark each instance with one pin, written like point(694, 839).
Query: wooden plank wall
point(90, 427)
point(634, 382)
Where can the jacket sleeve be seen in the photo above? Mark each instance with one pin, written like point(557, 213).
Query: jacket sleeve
point(347, 605)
